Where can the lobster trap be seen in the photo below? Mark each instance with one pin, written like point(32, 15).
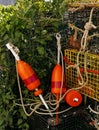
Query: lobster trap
point(75, 119)
point(78, 16)
point(92, 66)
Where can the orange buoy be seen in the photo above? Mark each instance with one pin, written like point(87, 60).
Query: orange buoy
point(73, 98)
point(31, 80)
point(56, 80)
point(28, 75)
point(57, 86)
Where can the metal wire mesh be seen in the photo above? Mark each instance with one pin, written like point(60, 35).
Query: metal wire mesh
point(79, 18)
point(77, 119)
point(92, 88)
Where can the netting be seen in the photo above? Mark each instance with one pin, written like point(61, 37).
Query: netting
point(78, 16)
point(92, 88)
point(78, 119)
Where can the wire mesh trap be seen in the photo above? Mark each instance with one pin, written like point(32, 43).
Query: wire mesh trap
point(76, 19)
point(75, 119)
point(92, 89)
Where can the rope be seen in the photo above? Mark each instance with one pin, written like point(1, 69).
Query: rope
point(93, 111)
point(36, 107)
point(87, 27)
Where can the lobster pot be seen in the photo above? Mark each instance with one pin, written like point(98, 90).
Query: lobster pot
point(92, 69)
point(78, 19)
point(75, 119)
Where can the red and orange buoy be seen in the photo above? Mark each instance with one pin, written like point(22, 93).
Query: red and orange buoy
point(57, 80)
point(31, 80)
point(57, 85)
point(28, 76)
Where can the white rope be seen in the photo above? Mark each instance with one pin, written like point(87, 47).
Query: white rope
point(93, 111)
point(88, 26)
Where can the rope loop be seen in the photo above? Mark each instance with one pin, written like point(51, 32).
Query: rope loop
point(58, 37)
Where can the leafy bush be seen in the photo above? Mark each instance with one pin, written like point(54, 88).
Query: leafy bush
point(30, 25)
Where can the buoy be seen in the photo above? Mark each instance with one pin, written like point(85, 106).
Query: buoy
point(31, 80)
point(57, 85)
point(73, 98)
point(57, 79)
point(28, 75)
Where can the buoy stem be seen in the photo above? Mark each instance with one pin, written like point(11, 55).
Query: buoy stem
point(45, 104)
point(58, 37)
point(12, 48)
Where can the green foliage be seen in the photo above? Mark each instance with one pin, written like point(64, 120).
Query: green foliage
point(30, 25)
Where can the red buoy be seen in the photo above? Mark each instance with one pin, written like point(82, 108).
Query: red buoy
point(28, 75)
point(73, 98)
point(56, 80)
